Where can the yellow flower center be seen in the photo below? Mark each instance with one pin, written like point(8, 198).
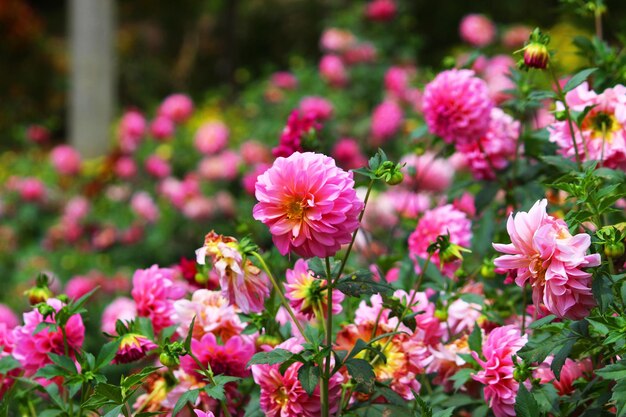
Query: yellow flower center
point(295, 209)
point(602, 125)
point(281, 396)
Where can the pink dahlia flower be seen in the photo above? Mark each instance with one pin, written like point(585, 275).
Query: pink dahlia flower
point(8, 317)
point(282, 394)
point(333, 70)
point(121, 308)
point(500, 387)
point(32, 350)
point(200, 413)
point(125, 167)
point(298, 125)
point(304, 295)
point(133, 347)
point(211, 137)
point(348, 155)
point(144, 206)
point(249, 180)
point(242, 283)
point(65, 159)
point(477, 30)
point(381, 10)
point(223, 166)
point(320, 108)
point(230, 358)
point(154, 292)
point(570, 372)
point(497, 75)
point(254, 152)
point(456, 106)
point(603, 130)
point(397, 81)
point(162, 128)
point(284, 80)
point(337, 40)
point(157, 166)
point(515, 36)
point(545, 254)
point(386, 120)
point(498, 146)
point(31, 189)
point(443, 220)
point(131, 130)
point(309, 204)
point(426, 172)
point(213, 314)
point(177, 107)
point(79, 285)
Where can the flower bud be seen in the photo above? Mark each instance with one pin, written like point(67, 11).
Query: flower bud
point(38, 295)
point(266, 339)
point(536, 55)
point(614, 250)
point(169, 360)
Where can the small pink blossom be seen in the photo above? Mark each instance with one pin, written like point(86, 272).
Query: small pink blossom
point(309, 204)
point(333, 70)
point(337, 40)
point(162, 128)
point(550, 259)
point(443, 220)
point(177, 107)
point(144, 206)
point(477, 30)
point(348, 154)
point(426, 172)
point(157, 166)
point(515, 36)
point(363, 52)
point(381, 10)
point(223, 166)
point(154, 292)
point(79, 285)
point(457, 106)
point(32, 189)
point(499, 386)
point(131, 130)
point(284, 80)
point(211, 137)
point(254, 152)
point(125, 167)
point(66, 160)
point(387, 120)
point(320, 108)
point(122, 308)
point(229, 359)
point(570, 372)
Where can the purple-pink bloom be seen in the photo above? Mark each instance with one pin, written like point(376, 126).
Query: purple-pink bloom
point(545, 254)
point(456, 106)
point(309, 204)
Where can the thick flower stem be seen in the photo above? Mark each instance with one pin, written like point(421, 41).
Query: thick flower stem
point(325, 397)
point(279, 291)
point(568, 115)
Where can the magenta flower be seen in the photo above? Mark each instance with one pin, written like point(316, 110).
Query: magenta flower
point(444, 220)
point(500, 387)
point(457, 106)
point(154, 292)
point(133, 347)
point(162, 128)
point(309, 204)
point(546, 255)
point(303, 292)
point(200, 413)
point(299, 124)
point(570, 372)
point(603, 130)
point(131, 130)
point(230, 358)
point(177, 107)
point(65, 159)
point(498, 146)
point(386, 120)
point(211, 137)
point(381, 10)
point(320, 108)
point(333, 70)
point(477, 30)
point(144, 207)
point(32, 350)
point(282, 394)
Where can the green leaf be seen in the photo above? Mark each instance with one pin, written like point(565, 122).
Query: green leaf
point(538, 350)
point(578, 79)
point(217, 391)
point(187, 343)
point(616, 371)
point(106, 354)
point(363, 374)
point(138, 378)
point(602, 291)
point(270, 358)
point(115, 411)
point(110, 392)
point(461, 377)
point(475, 340)
point(309, 376)
point(542, 321)
point(444, 413)
point(187, 397)
point(361, 283)
point(390, 395)
point(8, 363)
point(51, 371)
point(560, 357)
point(64, 362)
point(525, 403)
point(619, 397)
point(49, 413)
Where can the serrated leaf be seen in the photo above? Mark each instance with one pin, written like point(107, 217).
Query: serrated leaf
point(616, 371)
point(361, 283)
point(187, 397)
point(602, 291)
point(619, 397)
point(115, 411)
point(560, 357)
point(64, 362)
point(525, 403)
point(444, 413)
point(363, 374)
point(51, 371)
point(138, 378)
point(391, 396)
point(461, 377)
point(475, 340)
point(270, 358)
point(309, 376)
point(542, 321)
point(110, 392)
point(578, 78)
point(106, 354)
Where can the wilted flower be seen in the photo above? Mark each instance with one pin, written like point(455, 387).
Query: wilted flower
point(133, 347)
point(309, 204)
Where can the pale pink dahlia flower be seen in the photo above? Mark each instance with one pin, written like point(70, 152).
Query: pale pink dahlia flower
point(477, 30)
point(282, 394)
point(546, 255)
point(309, 204)
point(304, 295)
point(500, 388)
point(443, 220)
point(498, 146)
point(32, 350)
point(121, 308)
point(603, 130)
point(211, 137)
point(154, 292)
point(242, 283)
point(456, 106)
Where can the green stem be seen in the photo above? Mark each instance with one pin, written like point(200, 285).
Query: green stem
point(279, 291)
point(568, 115)
point(209, 372)
point(524, 303)
point(325, 397)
